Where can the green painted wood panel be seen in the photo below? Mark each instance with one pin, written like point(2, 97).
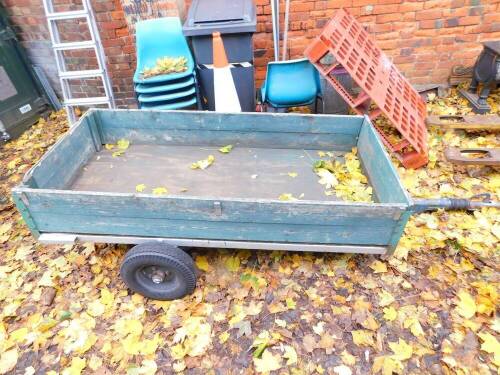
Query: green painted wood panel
point(199, 229)
point(216, 129)
point(231, 210)
point(244, 122)
point(378, 167)
point(58, 167)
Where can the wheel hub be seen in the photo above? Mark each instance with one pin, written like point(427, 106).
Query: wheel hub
point(156, 274)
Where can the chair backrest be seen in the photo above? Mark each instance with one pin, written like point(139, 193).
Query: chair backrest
point(292, 72)
point(159, 38)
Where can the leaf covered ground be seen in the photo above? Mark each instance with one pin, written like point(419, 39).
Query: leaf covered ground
point(431, 308)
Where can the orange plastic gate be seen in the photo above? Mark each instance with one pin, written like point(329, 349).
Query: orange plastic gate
point(353, 49)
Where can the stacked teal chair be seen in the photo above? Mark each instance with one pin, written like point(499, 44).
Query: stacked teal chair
point(155, 39)
point(292, 83)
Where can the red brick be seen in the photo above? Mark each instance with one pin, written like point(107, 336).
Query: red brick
point(384, 9)
point(429, 14)
point(384, 18)
point(470, 20)
point(437, 4)
point(411, 6)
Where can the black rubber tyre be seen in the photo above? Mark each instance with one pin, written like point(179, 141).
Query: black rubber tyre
point(172, 270)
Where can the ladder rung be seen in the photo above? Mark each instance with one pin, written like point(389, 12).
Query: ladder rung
point(87, 101)
point(74, 45)
point(75, 74)
point(66, 15)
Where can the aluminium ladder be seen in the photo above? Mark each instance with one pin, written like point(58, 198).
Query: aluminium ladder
point(64, 74)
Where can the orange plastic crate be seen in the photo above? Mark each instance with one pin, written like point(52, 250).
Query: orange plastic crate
point(353, 49)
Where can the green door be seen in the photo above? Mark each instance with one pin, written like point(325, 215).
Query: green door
point(21, 98)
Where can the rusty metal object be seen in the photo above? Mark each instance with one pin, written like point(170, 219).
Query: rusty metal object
point(473, 156)
point(346, 40)
point(469, 122)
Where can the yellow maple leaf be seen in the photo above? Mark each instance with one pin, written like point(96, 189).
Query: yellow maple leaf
point(202, 262)
point(223, 337)
point(362, 337)
point(96, 308)
point(203, 164)
point(19, 335)
point(348, 358)
point(232, 263)
point(386, 365)
point(290, 355)
point(378, 267)
point(402, 351)
point(160, 191)
point(490, 345)
point(122, 144)
point(95, 362)
point(414, 326)
point(8, 361)
point(466, 305)
point(76, 367)
point(140, 188)
point(226, 149)
point(390, 313)
point(287, 197)
point(385, 298)
point(267, 363)
point(128, 326)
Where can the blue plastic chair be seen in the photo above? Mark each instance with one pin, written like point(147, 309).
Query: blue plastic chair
point(292, 83)
point(178, 95)
point(184, 83)
point(158, 38)
point(187, 102)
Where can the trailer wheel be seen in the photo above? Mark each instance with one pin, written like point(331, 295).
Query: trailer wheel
point(159, 271)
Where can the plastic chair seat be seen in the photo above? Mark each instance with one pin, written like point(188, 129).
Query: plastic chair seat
point(291, 83)
point(171, 96)
point(157, 38)
point(170, 105)
point(144, 88)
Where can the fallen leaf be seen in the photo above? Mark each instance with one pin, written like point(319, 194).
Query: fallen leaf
point(226, 149)
point(232, 263)
point(290, 354)
point(267, 363)
point(342, 370)
point(160, 191)
point(76, 367)
point(390, 313)
point(348, 358)
point(293, 174)
point(287, 197)
point(378, 267)
point(402, 351)
point(140, 188)
point(203, 164)
point(385, 298)
point(8, 360)
point(362, 337)
point(202, 263)
point(466, 305)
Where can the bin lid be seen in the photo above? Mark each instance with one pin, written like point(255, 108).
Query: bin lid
point(225, 16)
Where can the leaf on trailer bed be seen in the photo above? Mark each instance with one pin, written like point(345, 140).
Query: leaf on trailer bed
point(160, 191)
point(203, 164)
point(226, 149)
point(140, 188)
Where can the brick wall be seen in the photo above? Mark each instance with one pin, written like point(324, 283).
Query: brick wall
point(30, 26)
point(424, 38)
